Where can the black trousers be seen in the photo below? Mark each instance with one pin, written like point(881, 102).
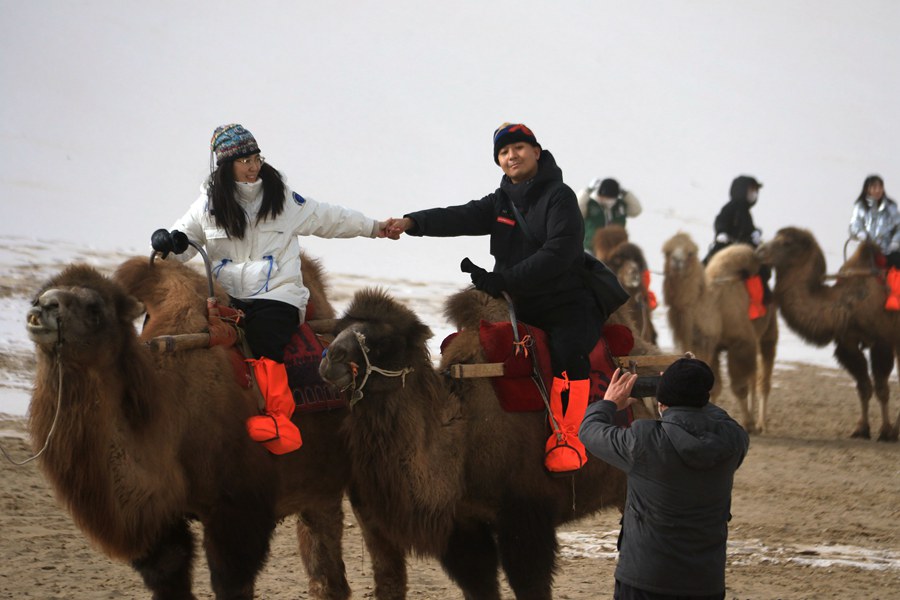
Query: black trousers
point(268, 326)
point(893, 259)
point(627, 592)
point(573, 330)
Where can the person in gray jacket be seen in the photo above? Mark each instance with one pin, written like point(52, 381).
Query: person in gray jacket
point(680, 472)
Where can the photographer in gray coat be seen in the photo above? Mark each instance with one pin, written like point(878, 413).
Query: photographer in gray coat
point(680, 473)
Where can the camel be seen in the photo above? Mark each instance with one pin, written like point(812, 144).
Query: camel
point(849, 313)
point(708, 315)
point(627, 261)
point(608, 238)
point(439, 468)
point(144, 443)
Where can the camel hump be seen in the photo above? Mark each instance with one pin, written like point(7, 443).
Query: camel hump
point(607, 238)
point(865, 256)
point(734, 261)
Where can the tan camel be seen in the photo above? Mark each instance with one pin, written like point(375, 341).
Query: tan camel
point(708, 315)
point(849, 313)
point(143, 442)
point(439, 467)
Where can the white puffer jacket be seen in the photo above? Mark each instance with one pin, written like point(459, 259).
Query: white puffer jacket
point(266, 262)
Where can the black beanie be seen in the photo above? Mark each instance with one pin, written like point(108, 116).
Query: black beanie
point(686, 382)
point(609, 188)
point(510, 133)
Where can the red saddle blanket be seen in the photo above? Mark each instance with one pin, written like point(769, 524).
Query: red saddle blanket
point(516, 389)
point(302, 356)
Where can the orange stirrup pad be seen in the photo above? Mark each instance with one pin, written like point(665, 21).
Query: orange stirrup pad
point(755, 289)
point(274, 429)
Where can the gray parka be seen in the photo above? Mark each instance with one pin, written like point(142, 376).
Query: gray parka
point(680, 474)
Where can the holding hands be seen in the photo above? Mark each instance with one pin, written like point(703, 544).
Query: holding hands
point(392, 228)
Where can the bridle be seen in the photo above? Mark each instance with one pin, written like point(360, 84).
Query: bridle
point(370, 368)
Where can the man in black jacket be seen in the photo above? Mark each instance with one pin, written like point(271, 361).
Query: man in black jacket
point(680, 475)
point(538, 261)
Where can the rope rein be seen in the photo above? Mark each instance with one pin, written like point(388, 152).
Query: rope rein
point(370, 368)
point(58, 405)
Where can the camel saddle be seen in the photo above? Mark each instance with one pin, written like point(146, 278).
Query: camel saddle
point(302, 356)
point(517, 390)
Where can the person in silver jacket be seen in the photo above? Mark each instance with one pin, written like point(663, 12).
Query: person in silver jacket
point(876, 218)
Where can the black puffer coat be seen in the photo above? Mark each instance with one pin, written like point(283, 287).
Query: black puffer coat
point(537, 278)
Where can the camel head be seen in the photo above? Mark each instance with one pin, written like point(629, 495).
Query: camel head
point(628, 263)
point(681, 254)
point(378, 341)
point(791, 248)
point(79, 314)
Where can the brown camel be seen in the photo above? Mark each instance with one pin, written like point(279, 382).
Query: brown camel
point(627, 261)
point(708, 315)
point(849, 313)
point(608, 238)
point(144, 442)
point(439, 468)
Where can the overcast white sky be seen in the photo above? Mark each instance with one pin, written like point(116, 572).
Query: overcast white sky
point(388, 107)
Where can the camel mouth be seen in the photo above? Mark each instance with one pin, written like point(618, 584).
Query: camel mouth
point(38, 329)
point(335, 374)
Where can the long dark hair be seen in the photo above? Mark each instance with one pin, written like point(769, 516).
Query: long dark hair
point(869, 181)
point(225, 209)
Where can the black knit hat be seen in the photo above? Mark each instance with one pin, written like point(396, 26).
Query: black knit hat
point(510, 133)
point(609, 188)
point(687, 382)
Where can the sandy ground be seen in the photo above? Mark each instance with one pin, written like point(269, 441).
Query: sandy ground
point(816, 515)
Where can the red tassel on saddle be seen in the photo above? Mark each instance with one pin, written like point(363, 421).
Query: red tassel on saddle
point(222, 322)
point(754, 287)
point(892, 279)
point(651, 297)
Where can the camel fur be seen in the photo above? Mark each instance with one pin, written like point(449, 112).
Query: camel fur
point(608, 238)
point(628, 263)
point(147, 442)
point(849, 314)
point(439, 469)
point(707, 312)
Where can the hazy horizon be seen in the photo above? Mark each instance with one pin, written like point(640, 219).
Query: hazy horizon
point(390, 107)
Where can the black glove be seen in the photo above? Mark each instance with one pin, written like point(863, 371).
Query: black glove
point(488, 282)
point(164, 242)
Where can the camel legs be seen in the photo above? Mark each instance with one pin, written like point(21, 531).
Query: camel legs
point(388, 559)
point(166, 569)
point(527, 541)
point(881, 355)
point(236, 537)
point(742, 374)
point(768, 343)
point(470, 559)
point(849, 355)
point(319, 533)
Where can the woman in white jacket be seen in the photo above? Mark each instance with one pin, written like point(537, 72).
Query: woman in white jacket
point(248, 221)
